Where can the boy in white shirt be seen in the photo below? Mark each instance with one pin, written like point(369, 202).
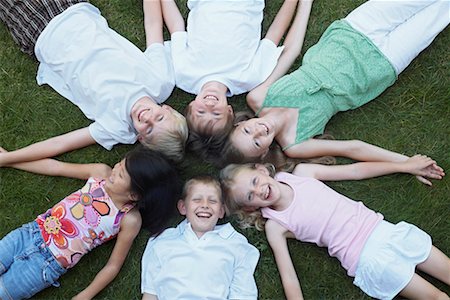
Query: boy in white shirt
point(220, 53)
point(114, 83)
point(199, 259)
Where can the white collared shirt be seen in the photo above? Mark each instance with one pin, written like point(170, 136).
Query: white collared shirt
point(101, 72)
point(223, 43)
point(219, 265)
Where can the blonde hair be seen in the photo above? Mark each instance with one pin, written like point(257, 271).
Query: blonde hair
point(172, 142)
point(207, 180)
point(246, 217)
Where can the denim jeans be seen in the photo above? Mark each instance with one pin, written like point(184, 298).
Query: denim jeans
point(26, 264)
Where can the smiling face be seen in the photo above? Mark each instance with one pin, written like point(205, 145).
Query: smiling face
point(253, 137)
point(118, 184)
point(150, 119)
point(210, 110)
point(255, 188)
point(202, 207)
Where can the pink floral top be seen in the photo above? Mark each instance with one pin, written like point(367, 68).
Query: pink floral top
point(80, 222)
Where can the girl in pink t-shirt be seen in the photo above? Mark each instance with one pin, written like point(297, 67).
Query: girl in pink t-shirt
point(381, 256)
point(141, 190)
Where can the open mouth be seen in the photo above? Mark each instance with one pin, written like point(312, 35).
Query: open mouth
point(203, 215)
point(266, 128)
point(211, 97)
point(268, 191)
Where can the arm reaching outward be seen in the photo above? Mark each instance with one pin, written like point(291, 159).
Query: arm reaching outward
point(129, 228)
point(419, 165)
point(277, 238)
point(153, 22)
point(53, 167)
point(293, 44)
point(356, 150)
point(172, 16)
point(51, 147)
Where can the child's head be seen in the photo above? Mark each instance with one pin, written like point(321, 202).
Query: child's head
point(171, 142)
point(252, 138)
point(209, 113)
point(209, 148)
point(202, 204)
point(246, 188)
point(155, 185)
point(160, 128)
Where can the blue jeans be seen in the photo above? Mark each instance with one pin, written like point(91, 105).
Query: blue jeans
point(26, 264)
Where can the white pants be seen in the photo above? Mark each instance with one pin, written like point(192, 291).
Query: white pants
point(401, 29)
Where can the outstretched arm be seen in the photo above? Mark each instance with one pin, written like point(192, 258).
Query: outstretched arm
point(172, 16)
point(354, 149)
point(51, 147)
point(53, 167)
point(282, 21)
point(293, 44)
point(129, 228)
point(153, 22)
point(277, 238)
point(419, 165)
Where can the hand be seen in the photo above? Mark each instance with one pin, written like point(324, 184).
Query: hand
point(424, 167)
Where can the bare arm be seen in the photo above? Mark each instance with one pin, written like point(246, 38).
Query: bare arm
point(51, 147)
point(172, 16)
point(277, 237)
point(293, 44)
point(129, 228)
point(354, 149)
point(53, 167)
point(417, 165)
point(282, 21)
point(149, 297)
point(153, 22)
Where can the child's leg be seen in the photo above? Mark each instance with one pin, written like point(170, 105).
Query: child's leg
point(419, 288)
point(27, 18)
point(437, 265)
point(29, 267)
point(12, 244)
point(401, 29)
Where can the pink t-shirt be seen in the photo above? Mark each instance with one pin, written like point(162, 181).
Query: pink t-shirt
point(322, 216)
point(80, 222)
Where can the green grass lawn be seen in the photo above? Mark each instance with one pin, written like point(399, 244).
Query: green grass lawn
point(413, 116)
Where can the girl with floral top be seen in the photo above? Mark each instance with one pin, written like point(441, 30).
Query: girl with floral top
point(140, 190)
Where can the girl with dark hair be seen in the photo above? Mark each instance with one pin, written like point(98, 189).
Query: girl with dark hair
point(35, 255)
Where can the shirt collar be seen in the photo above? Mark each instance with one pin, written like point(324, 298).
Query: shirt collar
point(224, 231)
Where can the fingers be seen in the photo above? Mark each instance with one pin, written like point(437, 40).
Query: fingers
point(424, 180)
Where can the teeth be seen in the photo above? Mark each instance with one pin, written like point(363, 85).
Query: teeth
point(267, 192)
point(203, 215)
point(210, 97)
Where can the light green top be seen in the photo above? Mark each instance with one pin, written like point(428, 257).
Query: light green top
point(343, 71)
